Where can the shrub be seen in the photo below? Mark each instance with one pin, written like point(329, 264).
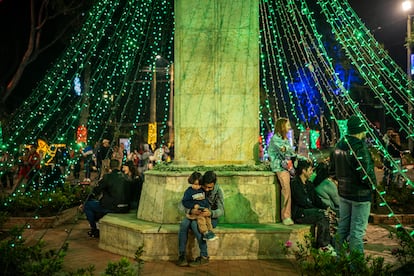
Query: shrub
point(16, 258)
point(311, 261)
point(43, 203)
point(124, 268)
point(405, 251)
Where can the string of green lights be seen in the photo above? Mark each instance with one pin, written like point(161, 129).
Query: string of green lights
point(114, 56)
point(318, 76)
point(359, 46)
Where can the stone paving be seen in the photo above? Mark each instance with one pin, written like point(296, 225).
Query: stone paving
point(84, 251)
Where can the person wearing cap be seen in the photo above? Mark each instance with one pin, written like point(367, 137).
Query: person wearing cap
point(352, 166)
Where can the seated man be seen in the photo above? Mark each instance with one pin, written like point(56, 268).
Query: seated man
point(308, 208)
point(195, 198)
point(115, 190)
point(215, 198)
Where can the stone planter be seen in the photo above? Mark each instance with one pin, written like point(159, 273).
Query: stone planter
point(42, 222)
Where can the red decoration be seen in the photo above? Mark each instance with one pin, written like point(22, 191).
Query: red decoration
point(81, 134)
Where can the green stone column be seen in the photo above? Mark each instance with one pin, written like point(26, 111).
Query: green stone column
point(216, 104)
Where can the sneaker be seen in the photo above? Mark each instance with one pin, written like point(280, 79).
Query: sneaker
point(206, 235)
point(210, 236)
point(328, 250)
point(182, 261)
point(288, 221)
point(199, 261)
point(93, 233)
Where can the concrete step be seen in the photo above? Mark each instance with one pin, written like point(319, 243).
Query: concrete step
point(123, 234)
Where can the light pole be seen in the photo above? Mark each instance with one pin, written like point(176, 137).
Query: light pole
point(171, 113)
point(153, 101)
point(407, 6)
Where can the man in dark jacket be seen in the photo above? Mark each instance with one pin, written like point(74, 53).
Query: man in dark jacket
point(307, 206)
point(114, 193)
point(352, 166)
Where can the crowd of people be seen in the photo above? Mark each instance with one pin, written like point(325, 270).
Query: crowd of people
point(120, 177)
point(336, 197)
point(36, 169)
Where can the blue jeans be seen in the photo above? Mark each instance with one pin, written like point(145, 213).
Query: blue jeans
point(353, 223)
point(185, 225)
point(94, 212)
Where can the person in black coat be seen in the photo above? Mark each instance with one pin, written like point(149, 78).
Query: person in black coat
point(114, 193)
point(352, 166)
point(307, 206)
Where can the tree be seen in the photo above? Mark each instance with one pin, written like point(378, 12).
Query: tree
point(50, 22)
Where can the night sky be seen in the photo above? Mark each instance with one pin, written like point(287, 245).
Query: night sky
point(384, 18)
point(388, 22)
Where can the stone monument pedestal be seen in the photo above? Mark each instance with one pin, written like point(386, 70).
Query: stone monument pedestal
point(248, 230)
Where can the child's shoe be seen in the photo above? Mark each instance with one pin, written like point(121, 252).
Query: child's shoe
point(210, 236)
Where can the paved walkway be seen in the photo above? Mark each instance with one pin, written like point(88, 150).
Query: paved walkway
point(84, 251)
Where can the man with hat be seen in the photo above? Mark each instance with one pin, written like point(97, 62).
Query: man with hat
point(352, 166)
point(103, 156)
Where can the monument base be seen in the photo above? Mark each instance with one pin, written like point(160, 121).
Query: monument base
point(123, 234)
point(250, 197)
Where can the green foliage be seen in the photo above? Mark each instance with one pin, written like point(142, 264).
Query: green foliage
point(234, 168)
point(124, 268)
point(138, 259)
point(311, 261)
point(16, 258)
point(121, 268)
point(405, 251)
point(43, 203)
point(82, 271)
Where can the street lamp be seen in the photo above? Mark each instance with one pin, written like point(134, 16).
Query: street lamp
point(407, 6)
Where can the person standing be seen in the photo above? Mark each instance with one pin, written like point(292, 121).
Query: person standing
point(87, 154)
point(352, 166)
point(280, 154)
point(103, 156)
point(144, 159)
point(33, 161)
point(6, 170)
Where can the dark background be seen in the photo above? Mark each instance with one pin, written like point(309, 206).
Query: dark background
point(384, 18)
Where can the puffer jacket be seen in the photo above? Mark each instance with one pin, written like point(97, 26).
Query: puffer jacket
point(354, 183)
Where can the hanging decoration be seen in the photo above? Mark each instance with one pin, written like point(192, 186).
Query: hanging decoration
point(82, 134)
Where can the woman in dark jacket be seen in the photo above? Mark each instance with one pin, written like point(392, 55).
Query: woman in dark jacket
point(135, 181)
